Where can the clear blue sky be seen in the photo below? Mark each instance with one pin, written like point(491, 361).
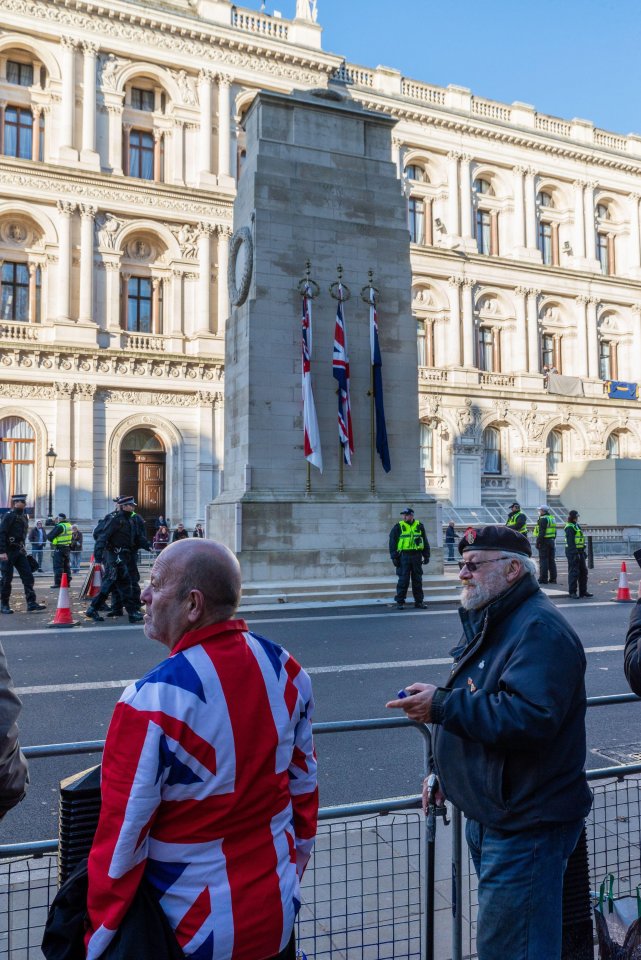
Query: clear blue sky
point(569, 58)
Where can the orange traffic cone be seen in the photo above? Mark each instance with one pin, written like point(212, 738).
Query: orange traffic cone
point(623, 593)
point(63, 617)
point(96, 580)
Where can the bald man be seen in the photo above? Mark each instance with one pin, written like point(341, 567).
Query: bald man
point(209, 774)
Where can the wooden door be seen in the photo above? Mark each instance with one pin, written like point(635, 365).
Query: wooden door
point(151, 485)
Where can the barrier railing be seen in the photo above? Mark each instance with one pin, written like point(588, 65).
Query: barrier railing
point(404, 906)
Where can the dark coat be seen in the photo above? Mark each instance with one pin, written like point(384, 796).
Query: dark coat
point(632, 655)
point(509, 734)
point(14, 774)
point(13, 531)
point(145, 933)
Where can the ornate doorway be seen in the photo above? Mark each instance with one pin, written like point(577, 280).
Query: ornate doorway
point(142, 473)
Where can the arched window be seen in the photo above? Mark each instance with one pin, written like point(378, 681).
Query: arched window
point(605, 240)
point(613, 447)
point(17, 458)
point(144, 140)
point(416, 220)
point(427, 447)
point(555, 452)
point(414, 171)
point(545, 199)
point(486, 350)
point(483, 186)
point(492, 450)
point(22, 123)
point(142, 290)
point(608, 360)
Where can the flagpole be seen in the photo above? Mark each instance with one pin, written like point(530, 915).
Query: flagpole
point(341, 292)
point(309, 290)
point(368, 296)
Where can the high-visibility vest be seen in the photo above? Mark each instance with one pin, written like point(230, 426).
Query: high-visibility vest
point(63, 539)
point(579, 536)
point(411, 538)
point(550, 530)
point(518, 521)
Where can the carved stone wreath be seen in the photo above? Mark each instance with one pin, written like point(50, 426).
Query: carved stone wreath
point(238, 294)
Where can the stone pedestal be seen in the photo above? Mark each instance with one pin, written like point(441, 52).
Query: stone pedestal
point(318, 183)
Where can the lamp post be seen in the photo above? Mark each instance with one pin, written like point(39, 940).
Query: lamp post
point(51, 462)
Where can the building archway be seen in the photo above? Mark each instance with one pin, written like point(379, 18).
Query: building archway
point(142, 472)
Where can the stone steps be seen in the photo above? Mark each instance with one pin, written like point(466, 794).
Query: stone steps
point(340, 592)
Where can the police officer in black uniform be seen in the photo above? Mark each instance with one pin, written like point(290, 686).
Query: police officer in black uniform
point(13, 534)
point(575, 552)
point(140, 542)
point(115, 543)
point(517, 519)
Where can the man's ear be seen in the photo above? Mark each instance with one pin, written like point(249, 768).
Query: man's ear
point(196, 606)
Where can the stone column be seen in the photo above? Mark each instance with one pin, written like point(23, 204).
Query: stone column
point(88, 154)
point(454, 333)
point(115, 139)
point(66, 150)
point(224, 236)
point(206, 466)
point(519, 216)
point(205, 78)
point(468, 323)
point(33, 267)
point(453, 193)
point(590, 225)
point(634, 252)
point(593, 338)
point(636, 338)
point(530, 208)
point(111, 320)
point(579, 219)
point(581, 337)
point(158, 147)
point(65, 211)
point(224, 121)
point(177, 304)
point(83, 454)
point(466, 197)
point(533, 330)
point(87, 216)
point(3, 107)
point(520, 353)
point(156, 285)
point(36, 111)
point(126, 149)
point(203, 311)
point(62, 475)
point(178, 142)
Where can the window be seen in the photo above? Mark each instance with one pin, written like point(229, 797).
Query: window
point(415, 172)
point(483, 186)
point(555, 452)
point(486, 349)
point(613, 447)
point(17, 451)
point(484, 231)
point(18, 133)
point(19, 73)
point(492, 448)
point(603, 251)
point(416, 217)
point(420, 335)
point(142, 99)
point(427, 447)
point(38, 316)
point(141, 155)
point(545, 242)
point(607, 360)
point(546, 199)
point(15, 291)
point(548, 351)
point(602, 211)
point(139, 304)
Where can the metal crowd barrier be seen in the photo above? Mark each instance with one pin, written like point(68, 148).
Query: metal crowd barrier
point(368, 892)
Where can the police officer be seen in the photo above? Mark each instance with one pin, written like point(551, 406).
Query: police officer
point(409, 550)
point(516, 519)
point(115, 542)
point(575, 552)
point(140, 542)
point(13, 533)
point(60, 539)
point(545, 535)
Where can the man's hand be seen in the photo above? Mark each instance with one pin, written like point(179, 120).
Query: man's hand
point(432, 796)
point(3, 556)
point(418, 705)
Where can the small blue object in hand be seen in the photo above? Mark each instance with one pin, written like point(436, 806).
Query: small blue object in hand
point(402, 694)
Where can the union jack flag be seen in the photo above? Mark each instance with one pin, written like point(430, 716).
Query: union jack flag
point(209, 791)
point(340, 366)
point(313, 452)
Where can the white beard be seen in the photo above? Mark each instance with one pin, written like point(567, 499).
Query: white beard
point(480, 594)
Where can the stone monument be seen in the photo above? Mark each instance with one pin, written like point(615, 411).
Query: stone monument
point(318, 183)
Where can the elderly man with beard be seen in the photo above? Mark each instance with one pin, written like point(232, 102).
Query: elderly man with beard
point(509, 743)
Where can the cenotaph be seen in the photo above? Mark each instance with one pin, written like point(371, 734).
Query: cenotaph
point(317, 183)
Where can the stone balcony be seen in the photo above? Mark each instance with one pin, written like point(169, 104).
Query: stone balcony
point(19, 332)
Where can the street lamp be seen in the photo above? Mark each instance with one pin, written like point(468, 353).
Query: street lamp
point(51, 462)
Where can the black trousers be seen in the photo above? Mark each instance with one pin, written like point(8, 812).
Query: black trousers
point(547, 563)
point(18, 560)
point(411, 566)
point(117, 602)
point(577, 571)
point(117, 579)
point(61, 564)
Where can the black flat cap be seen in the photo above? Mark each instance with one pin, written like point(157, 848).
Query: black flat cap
point(494, 537)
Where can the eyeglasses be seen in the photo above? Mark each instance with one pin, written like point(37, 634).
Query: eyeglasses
point(472, 566)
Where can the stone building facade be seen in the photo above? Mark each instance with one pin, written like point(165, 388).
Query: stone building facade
point(121, 143)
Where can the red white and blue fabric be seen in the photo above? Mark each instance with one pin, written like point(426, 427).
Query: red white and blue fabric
point(209, 791)
point(382, 445)
point(312, 442)
point(340, 367)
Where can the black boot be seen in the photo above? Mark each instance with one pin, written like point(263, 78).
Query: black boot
point(5, 608)
point(92, 614)
point(34, 605)
point(136, 617)
point(115, 613)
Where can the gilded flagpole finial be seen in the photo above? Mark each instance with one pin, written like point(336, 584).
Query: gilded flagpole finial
point(339, 290)
point(307, 287)
point(370, 294)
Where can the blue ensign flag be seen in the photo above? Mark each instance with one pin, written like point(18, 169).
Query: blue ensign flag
point(382, 446)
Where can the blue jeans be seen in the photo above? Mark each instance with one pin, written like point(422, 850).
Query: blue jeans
point(520, 889)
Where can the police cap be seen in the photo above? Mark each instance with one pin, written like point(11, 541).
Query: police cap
point(494, 537)
point(19, 498)
point(125, 501)
point(406, 511)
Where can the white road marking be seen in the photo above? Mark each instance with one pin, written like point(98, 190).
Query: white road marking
point(313, 671)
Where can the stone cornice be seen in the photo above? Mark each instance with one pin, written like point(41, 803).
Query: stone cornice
point(41, 357)
point(106, 191)
point(181, 34)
